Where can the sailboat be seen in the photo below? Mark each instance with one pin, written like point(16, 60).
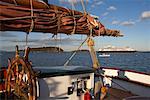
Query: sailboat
point(21, 80)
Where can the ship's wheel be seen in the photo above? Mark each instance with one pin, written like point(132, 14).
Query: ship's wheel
point(21, 80)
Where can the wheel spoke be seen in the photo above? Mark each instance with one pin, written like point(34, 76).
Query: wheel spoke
point(20, 78)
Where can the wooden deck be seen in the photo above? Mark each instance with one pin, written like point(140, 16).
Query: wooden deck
point(113, 94)
point(117, 94)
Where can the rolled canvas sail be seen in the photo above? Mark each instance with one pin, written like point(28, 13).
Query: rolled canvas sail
point(47, 18)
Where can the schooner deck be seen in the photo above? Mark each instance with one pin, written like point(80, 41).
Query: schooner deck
point(117, 94)
point(113, 94)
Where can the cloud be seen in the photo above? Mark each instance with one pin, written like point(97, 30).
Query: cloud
point(10, 44)
point(111, 8)
point(115, 22)
point(30, 40)
point(65, 41)
point(72, 1)
point(99, 3)
point(49, 41)
point(138, 20)
point(145, 15)
point(96, 3)
point(124, 23)
point(127, 23)
point(93, 5)
point(105, 14)
point(6, 34)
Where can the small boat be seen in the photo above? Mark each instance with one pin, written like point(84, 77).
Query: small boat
point(104, 55)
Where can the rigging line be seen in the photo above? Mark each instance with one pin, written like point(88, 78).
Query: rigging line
point(73, 8)
point(44, 3)
point(15, 2)
point(86, 3)
point(56, 39)
point(58, 19)
point(91, 30)
point(74, 53)
point(32, 20)
point(59, 42)
point(27, 34)
point(82, 2)
point(90, 27)
point(72, 4)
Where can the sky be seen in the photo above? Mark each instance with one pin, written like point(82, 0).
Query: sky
point(131, 17)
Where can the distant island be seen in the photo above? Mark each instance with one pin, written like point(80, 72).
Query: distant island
point(82, 50)
point(113, 49)
point(46, 49)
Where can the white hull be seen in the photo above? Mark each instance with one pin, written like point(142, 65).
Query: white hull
point(136, 83)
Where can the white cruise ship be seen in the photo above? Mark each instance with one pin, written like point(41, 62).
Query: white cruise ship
point(110, 48)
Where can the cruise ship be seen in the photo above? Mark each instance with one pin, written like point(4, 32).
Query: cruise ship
point(110, 48)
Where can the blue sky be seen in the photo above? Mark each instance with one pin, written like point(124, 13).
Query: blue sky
point(131, 17)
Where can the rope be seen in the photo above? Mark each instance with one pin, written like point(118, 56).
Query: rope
point(59, 42)
point(82, 2)
point(44, 3)
point(27, 34)
point(74, 53)
point(90, 27)
point(55, 38)
point(32, 20)
point(74, 28)
point(15, 2)
point(58, 22)
point(58, 19)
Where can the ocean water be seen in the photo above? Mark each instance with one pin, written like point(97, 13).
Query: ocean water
point(139, 61)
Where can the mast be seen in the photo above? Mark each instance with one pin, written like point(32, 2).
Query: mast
point(95, 61)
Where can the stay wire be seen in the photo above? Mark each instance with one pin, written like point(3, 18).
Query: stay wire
point(82, 2)
point(74, 53)
point(73, 14)
point(15, 2)
point(32, 22)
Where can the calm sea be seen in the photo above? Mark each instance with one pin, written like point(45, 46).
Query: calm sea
point(139, 61)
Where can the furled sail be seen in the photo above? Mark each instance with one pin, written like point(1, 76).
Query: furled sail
point(37, 16)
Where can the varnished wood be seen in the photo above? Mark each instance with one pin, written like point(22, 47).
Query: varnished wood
point(20, 79)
